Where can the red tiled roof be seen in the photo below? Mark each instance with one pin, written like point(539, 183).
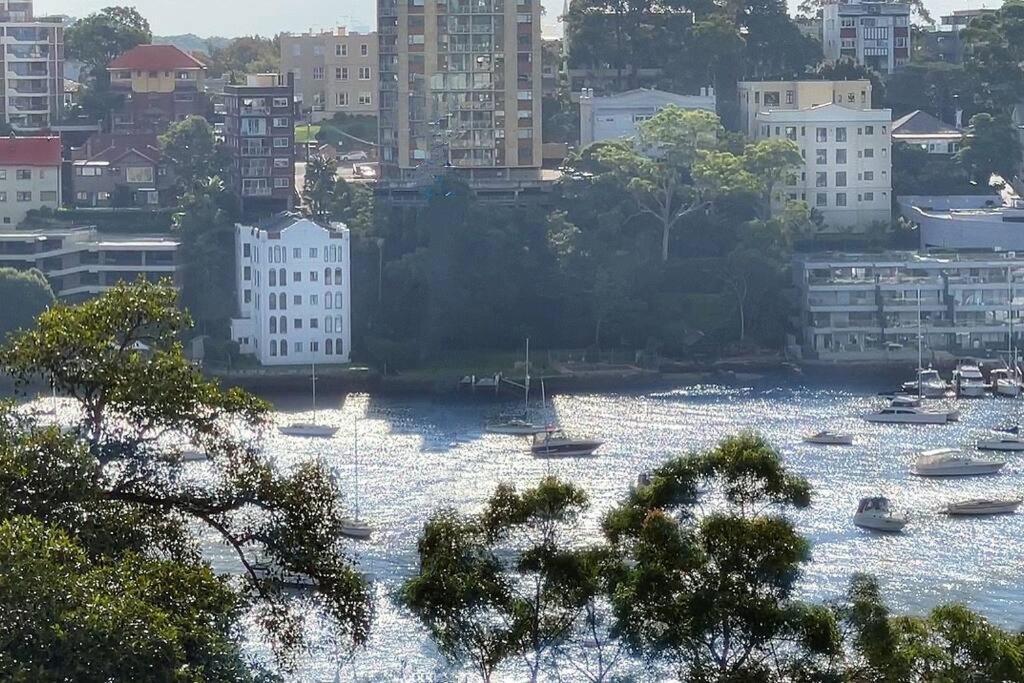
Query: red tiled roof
point(30, 151)
point(155, 58)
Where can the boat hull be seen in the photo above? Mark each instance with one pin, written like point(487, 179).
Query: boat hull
point(916, 419)
point(357, 530)
point(830, 441)
point(973, 391)
point(886, 524)
point(980, 469)
point(1005, 446)
point(507, 430)
point(575, 449)
point(308, 431)
point(1007, 389)
point(981, 508)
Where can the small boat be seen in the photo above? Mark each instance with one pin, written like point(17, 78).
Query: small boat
point(876, 514)
point(929, 384)
point(194, 456)
point(515, 428)
point(310, 430)
point(354, 528)
point(1005, 443)
point(1004, 382)
point(949, 462)
point(265, 570)
point(983, 506)
point(555, 443)
point(969, 381)
point(827, 438)
point(908, 415)
point(1008, 428)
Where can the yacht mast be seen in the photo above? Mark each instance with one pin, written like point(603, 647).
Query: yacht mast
point(920, 352)
point(356, 450)
point(314, 393)
point(527, 390)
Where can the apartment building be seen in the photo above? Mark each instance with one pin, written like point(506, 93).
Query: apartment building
point(847, 170)
point(29, 176)
point(259, 133)
point(82, 262)
point(160, 84)
point(32, 68)
point(461, 86)
point(874, 33)
point(120, 170)
point(865, 307)
point(294, 291)
point(758, 96)
point(921, 129)
point(333, 71)
point(617, 116)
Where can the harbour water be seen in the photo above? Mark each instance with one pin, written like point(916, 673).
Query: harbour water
point(419, 454)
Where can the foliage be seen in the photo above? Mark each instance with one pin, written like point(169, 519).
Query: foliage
point(190, 149)
point(244, 55)
point(994, 50)
point(340, 129)
point(992, 145)
point(503, 583)
point(114, 487)
point(917, 172)
point(102, 36)
point(321, 188)
point(23, 296)
point(812, 8)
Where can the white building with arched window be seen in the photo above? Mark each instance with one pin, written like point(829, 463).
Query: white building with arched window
point(294, 291)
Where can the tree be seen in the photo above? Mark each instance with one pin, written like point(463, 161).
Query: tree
point(916, 171)
point(245, 55)
point(993, 52)
point(712, 592)
point(812, 8)
point(321, 189)
point(116, 489)
point(992, 145)
point(100, 37)
point(503, 583)
point(190, 149)
point(23, 296)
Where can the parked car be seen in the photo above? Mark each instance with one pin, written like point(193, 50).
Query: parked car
point(358, 155)
point(363, 171)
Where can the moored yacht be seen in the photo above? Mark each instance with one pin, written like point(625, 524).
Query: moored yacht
point(983, 506)
point(899, 414)
point(311, 430)
point(876, 514)
point(968, 380)
point(949, 462)
point(1004, 443)
point(827, 438)
point(514, 428)
point(929, 384)
point(556, 443)
point(1004, 382)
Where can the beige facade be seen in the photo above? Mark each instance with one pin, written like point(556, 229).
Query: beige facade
point(334, 71)
point(461, 84)
point(761, 96)
point(31, 67)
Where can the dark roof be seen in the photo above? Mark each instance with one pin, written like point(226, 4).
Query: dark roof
point(39, 151)
point(922, 123)
point(112, 147)
point(156, 58)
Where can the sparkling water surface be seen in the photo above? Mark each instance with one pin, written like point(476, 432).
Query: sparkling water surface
point(419, 454)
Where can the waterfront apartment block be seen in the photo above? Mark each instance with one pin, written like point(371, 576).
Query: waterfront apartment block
point(847, 169)
point(874, 33)
point(865, 307)
point(160, 85)
point(461, 85)
point(294, 291)
point(333, 71)
point(32, 68)
point(30, 177)
point(82, 262)
point(760, 96)
point(259, 133)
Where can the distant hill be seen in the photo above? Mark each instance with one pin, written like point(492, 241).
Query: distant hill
point(190, 42)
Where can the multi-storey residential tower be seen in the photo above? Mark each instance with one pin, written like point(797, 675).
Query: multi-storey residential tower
point(334, 71)
point(875, 33)
point(259, 133)
point(31, 67)
point(461, 85)
point(758, 96)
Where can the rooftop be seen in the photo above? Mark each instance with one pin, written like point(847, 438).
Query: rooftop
point(36, 151)
point(918, 123)
point(156, 58)
point(280, 222)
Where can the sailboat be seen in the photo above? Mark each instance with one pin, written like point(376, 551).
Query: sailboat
point(309, 429)
point(52, 410)
point(519, 427)
point(355, 527)
point(1007, 382)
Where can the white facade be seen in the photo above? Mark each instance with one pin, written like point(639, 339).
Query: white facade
point(969, 222)
point(875, 33)
point(864, 307)
point(24, 188)
point(758, 96)
point(617, 116)
point(847, 171)
point(294, 292)
point(32, 76)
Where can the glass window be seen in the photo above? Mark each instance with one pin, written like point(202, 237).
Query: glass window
point(821, 134)
point(869, 175)
point(869, 153)
point(840, 199)
point(840, 135)
point(329, 347)
point(841, 156)
point(821, 156)
point(822, 199)
point(840, 178)
point(821, 179)
point(273, 347)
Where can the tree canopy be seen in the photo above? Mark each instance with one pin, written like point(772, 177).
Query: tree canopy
point(992, 145)
point(100, 37)
point(23, 296)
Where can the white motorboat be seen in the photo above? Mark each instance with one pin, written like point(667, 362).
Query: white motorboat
point(1003, 443)
point(969, 381)
point(908, 415)
point(267, 570)
point(949, 462)
point(876, 514)
point(309, 430)
point(556, 443)
point(827, 438)
point(983, 506)
point(929, 384)
point(1005, 382)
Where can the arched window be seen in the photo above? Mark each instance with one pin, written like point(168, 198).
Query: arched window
point(329, 346)
point(329, 325)
point(283, 300)
point(282, 277)
point(337, 324)
point(273, 301)
point(273, 346)
point(277, 254)
point(337, 276)
point(328, 301)
point(284, 325)
point(273, 325)
point(339, 347)
point(273, 278)
point(327, 276)
point(284, 347)
point(337, 300)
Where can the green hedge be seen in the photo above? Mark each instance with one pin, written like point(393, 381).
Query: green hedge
point(124, 220)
